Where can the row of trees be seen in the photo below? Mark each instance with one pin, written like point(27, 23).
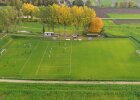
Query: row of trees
point(64, 15)
point(51, 2)
point(52, 16)
point(60, 15)
point(8, 18)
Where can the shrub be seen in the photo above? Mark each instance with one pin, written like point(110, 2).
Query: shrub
point(96, 25)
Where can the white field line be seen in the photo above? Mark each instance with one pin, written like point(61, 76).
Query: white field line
point(61, 66)
point(70, 57)
point(57, 74)
point(72, 82)
point(27, 60)
point(3, 36)
point(41, 59)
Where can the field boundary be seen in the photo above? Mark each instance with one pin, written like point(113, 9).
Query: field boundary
point(3, 36)
point(71, 82)
point(118, 36)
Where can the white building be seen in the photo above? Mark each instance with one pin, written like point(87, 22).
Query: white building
point(48, 34)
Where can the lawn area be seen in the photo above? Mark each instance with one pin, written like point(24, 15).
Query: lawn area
point(111, 15)
point(4, 41)
point(100, 59)
point(36, 27)
point(107, 3)
point(123, 29)
point(13, 91)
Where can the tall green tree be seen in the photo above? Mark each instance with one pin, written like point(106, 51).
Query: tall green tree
point(8, 18)
point(18, 5)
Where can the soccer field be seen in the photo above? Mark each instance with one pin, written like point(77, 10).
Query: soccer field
point(100, 59)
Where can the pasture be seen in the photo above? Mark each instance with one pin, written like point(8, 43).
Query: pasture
point(13, 91)
point(36, 28)
point(131, 29)
point(123, 16)
point(107, 3)
point(100, 59)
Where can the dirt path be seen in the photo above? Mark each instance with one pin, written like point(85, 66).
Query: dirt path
point(69, 82)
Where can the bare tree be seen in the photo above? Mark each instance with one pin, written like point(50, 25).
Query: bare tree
point(84, 1)
point(64, 2)
point(139, 4)
point(59, 2)
point(98, 3)
point(113, 3)
point(71, 2)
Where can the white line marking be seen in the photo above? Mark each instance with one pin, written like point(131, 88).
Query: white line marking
point(27, 60)
point(70, 57)
point(3, 36)
point(42, 59)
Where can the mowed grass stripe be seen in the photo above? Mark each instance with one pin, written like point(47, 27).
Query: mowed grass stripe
point(42, 59)
point(14, 57)
point(58, 63)
point(28, 59)
point(105, 59)
point(32, 65)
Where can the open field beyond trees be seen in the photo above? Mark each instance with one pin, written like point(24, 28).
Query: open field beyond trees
point(133, 16)
point(124, 29)
point(107, 3)
point(36, 28)
point(100, 59)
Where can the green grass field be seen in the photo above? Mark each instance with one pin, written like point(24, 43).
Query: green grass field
point(100, 59)
point(36, 27)
point(124, 15)
point(122, 29)
point(12, 91)
point(107, 3)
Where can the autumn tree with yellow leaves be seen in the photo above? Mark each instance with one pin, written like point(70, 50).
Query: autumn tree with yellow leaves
point(96, 25)
point(71, 16)
point(65, 16)
point(77, 16)
point(29, 9)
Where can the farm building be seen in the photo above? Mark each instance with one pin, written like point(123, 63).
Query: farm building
point(50, 34)
point(93, 35)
